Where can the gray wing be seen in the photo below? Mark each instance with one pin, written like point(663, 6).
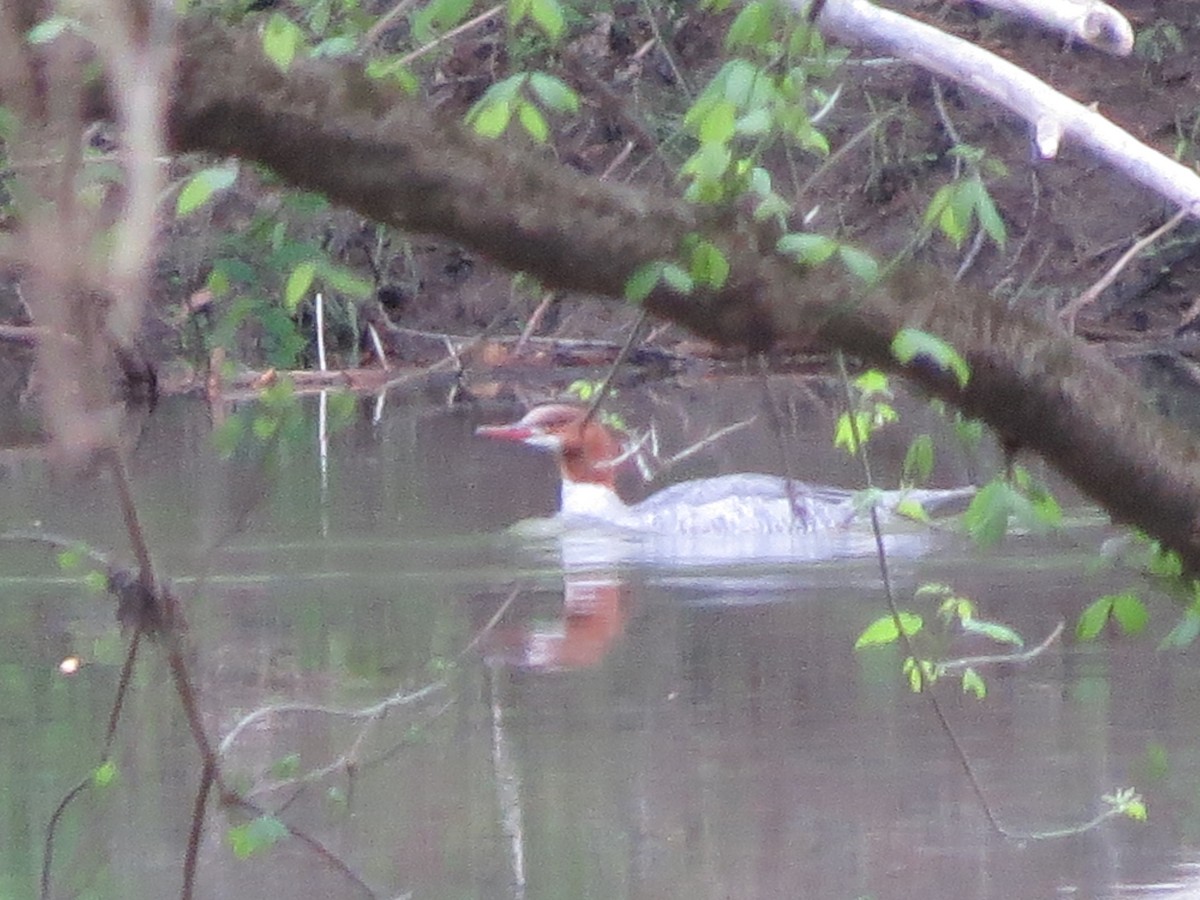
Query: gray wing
point(745, 503)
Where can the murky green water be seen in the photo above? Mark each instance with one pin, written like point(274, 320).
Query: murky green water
point(627, 728)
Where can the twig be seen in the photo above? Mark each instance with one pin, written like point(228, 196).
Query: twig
point(623, 355)
point(32, 335)
point(491, 623)
point(971, 254)
point(970, 662)
point(325, 854)
point(380, 353)
point(452, 33)
point(368, 712)
point(618, 160)
point(924, 685)
point(348, 760)
point(842, 152)
point(666, 51)
point(52, 827)
point(534, 320)
point(384, 21)
point(939, 103)
point(1071, 310)
point(191, 857)
point(133, 528)
point(114, 717)
point(703, 443)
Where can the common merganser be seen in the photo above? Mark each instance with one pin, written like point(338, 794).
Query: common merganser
point(588, 453)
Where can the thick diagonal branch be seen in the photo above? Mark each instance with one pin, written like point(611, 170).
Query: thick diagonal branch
point(326, 128)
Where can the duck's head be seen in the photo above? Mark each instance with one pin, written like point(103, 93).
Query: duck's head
point(586, 449)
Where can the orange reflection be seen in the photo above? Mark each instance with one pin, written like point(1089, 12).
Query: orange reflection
point(593, 617)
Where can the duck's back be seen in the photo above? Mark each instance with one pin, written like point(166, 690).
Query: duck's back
point(745, 504)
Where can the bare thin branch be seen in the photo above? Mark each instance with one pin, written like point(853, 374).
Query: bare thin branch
point(1052, 114)
point(1071, 310)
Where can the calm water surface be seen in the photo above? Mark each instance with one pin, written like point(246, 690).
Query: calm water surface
point(628, 727)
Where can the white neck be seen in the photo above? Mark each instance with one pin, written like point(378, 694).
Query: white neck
point(594, 501)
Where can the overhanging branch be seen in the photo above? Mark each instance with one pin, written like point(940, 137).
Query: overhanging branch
point(326, 128)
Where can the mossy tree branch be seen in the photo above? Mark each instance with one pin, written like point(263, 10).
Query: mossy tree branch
point(325, 127)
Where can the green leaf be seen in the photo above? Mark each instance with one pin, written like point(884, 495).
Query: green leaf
point(755, 123)
point(974, 684)
point(518, 10)
point(872, 384)
point(318, 17)
point(752, 27)
point(1185, 632)
point(919, 676)
point(228, 435)
point(256, 835)
point(848, 432)
point(1093, 619)
point(1135, 809)
point(642, 282)
point(1128, 802)
point(1164, 563)
point(48, 29)
point(105, 774)
point(508, 89)
point(912, 509)
point(989, 216)
point(281, 39)
point(264, 427)
point(493, 119)
point(950, 225)
point(808, 249)
point(73, 557)
point(709, 163)
point(718, 124)
point(1129, 612)
point(709, 266)
point(909, 343)
point(393, 69)
point(760, 182)
point(286, 766)
point(997, 632)
point(932, 588)
point(961, 208)
point(772, 207)
point(199, 189)
point(677, 279)
point(959, 608)
point(298, 284)
point(553, 93)
point(882, 414)
point(736, 81)
point(548, 15)
point(883, 630)
point(346, 281)
point(811, 139)
point(986, 519)
point(968, 431)
point(859, 263)
point(335, 47)
point(918, 461)
point(533, 122)
point(941, 199)
point(439, 15)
